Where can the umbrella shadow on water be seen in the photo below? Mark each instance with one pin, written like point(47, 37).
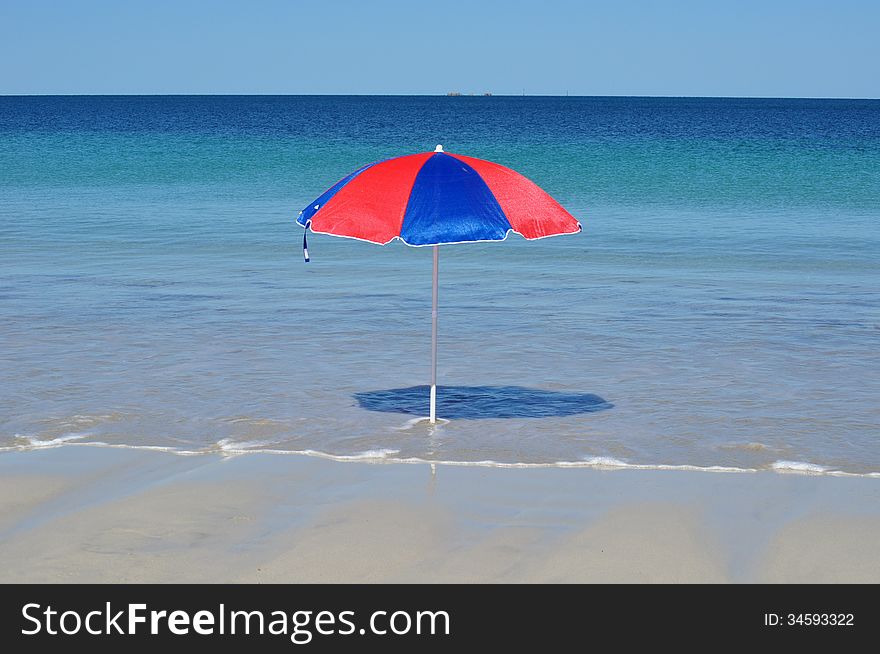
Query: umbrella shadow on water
point(475, 402)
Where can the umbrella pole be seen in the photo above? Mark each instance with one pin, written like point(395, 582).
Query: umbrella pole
point(434, 294)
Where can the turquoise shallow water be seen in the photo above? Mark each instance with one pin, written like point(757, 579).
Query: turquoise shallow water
point(721, 307)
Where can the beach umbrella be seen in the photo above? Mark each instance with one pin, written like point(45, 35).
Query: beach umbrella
point(433, 199)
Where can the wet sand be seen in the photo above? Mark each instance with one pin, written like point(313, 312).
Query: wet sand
point(90, 514)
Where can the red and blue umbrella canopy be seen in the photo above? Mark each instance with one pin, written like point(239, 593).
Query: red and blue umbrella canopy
point(436, 198)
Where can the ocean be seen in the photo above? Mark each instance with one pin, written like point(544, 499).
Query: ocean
point(720, 310)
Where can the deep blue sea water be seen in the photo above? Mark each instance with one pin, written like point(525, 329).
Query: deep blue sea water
point(721, 307)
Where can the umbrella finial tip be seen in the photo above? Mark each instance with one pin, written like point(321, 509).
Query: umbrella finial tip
point(439, 148)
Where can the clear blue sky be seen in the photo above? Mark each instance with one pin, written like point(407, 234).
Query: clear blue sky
point(678, 47)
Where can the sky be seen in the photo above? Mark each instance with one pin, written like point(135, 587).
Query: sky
point(776, 48)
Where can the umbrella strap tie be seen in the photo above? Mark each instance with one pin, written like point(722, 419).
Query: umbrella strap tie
point(305, 245)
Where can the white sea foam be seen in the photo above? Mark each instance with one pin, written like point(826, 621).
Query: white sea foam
point(236, 447)
point(37, 443)
point(368, 455)
point(153, 448)
point(799, 466)
point(604, 462)
point(387, 455)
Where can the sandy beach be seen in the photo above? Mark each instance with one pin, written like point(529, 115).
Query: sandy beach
point(91, 514)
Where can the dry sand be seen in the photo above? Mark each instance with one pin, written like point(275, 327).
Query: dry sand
point(88, 514)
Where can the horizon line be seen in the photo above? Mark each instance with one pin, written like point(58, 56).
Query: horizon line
point(447, 94)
